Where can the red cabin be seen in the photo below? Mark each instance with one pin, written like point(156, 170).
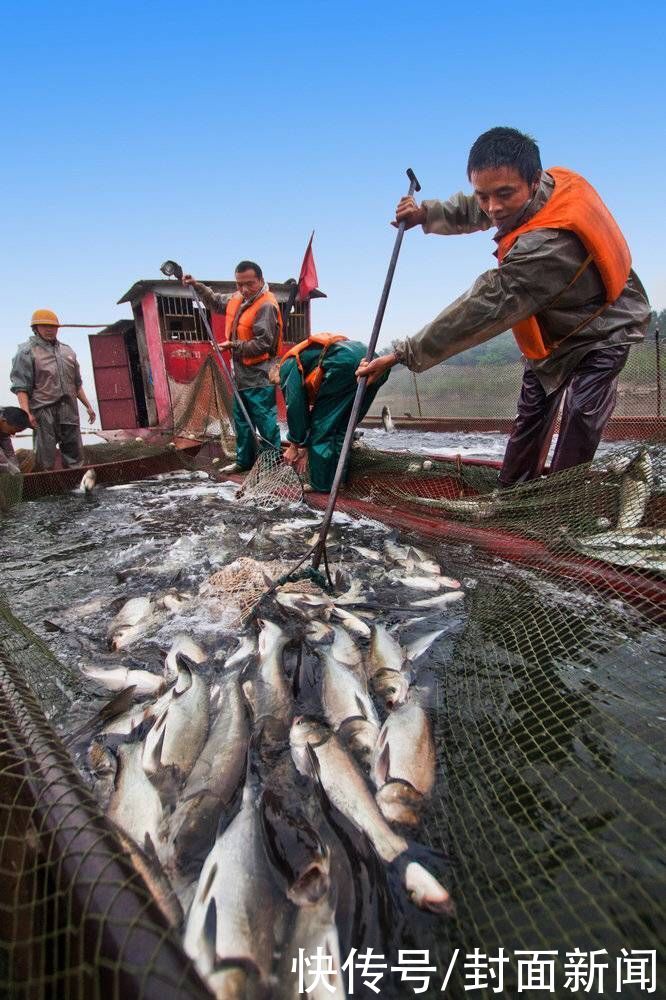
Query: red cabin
point(139, 364)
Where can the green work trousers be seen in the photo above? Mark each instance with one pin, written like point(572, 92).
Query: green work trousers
point(330, 416)
point(262, 410)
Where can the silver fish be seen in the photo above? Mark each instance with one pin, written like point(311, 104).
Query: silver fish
point(271, 692)
point(635, 489)
point(237, 910)
point(403, 765)
point(314, 931)
point(346, 788)
point(119, 678)
point(305, 605)
point(135, 803)
point(424, 582)
point(439, 601)
point(213, 781)
point(148, 867)
point(89, 481)
point(387, 422)
point(175, 601)
point(388, 668)
point(182, 644)
point(174, 743)
point(347, 706)
point(353, 624)
point(298, 854)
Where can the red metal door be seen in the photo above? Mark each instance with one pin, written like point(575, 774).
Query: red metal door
point(113, 381)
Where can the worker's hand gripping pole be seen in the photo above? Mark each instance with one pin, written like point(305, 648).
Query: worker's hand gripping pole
point(172, 269)
point(319, 547)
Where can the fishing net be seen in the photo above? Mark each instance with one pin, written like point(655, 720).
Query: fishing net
point(549, 706)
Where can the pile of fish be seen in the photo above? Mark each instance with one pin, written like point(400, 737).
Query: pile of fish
point(267, 793)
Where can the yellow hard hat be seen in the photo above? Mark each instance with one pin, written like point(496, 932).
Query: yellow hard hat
point(44, 317)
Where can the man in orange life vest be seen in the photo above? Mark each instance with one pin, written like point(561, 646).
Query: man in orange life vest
point(253, 333)
point(564, 285)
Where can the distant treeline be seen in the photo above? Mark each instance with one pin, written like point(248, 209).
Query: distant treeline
point(503, 350)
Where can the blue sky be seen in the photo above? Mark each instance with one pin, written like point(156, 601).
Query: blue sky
point(208, 133)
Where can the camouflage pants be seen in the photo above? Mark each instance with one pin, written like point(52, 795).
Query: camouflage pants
point(58, 425)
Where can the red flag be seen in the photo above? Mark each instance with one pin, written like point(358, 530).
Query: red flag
point(307, 279)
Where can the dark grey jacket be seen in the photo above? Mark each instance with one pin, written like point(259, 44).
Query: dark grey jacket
point(540, 264)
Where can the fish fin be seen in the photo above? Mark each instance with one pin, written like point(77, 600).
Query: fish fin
point(362, 707)
point(296, 679)
point(383, 764)
point(149, 848)
point(210, 932)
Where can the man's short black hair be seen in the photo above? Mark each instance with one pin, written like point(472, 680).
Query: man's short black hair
point(15, 416)
point(505, 147)
point(249, 265)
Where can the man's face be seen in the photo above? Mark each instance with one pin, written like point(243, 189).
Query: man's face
point(7, 428)
point(248, 284)
point(501, 192)
point(47, 332)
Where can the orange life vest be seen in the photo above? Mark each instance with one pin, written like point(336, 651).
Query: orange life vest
point(574, 205)
point(313, 381)
point(246, 321)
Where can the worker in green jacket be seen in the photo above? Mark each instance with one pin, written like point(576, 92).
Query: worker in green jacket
point(318, 382)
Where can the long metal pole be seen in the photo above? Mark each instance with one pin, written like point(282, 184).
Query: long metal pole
point(318, 550)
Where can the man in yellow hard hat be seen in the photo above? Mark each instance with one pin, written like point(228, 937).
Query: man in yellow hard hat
point(47, 381)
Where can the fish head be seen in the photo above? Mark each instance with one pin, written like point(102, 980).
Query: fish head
point(307, 729)
point(186, 668)
point(271, 637)
point(391, 686)
point(400, 803)
point(101, 760)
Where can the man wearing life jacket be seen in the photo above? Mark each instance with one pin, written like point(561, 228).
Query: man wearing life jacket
point(318, 382)
point(564, 285)
point(253, 334)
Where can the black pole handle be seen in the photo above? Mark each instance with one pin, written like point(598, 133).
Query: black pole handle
point(318, 550)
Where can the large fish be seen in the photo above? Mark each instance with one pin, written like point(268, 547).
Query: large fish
point(130, 623)
point(439, 600)
point(635, 489)
point(428, 582)
point(135, 804)
point(119, 678)
point(246, 648)
point(403, 765)
point(271, 692)
point(388, 668)
point(147, 865)
point(313, 933)
point(387, 422)
point(347, 705)
point(296, 850)
point(182, 644)
point(213, 781)
point(174, 743)
point(89, 481)
point(316, 748)
point(237, 911)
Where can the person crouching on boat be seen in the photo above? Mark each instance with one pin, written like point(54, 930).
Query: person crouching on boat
point(564, 285)
point(253, 334)
point(47, 381)
point(318, 382)
point(12, 421)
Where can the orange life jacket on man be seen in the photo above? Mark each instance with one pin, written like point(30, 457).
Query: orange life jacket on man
point(574, 205)
point(313, 381)
point(246, 322)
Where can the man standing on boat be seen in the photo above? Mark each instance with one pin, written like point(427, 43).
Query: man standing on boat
point(12, 421)
point(47, 381)
point(253, 334)
point(564, 285)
